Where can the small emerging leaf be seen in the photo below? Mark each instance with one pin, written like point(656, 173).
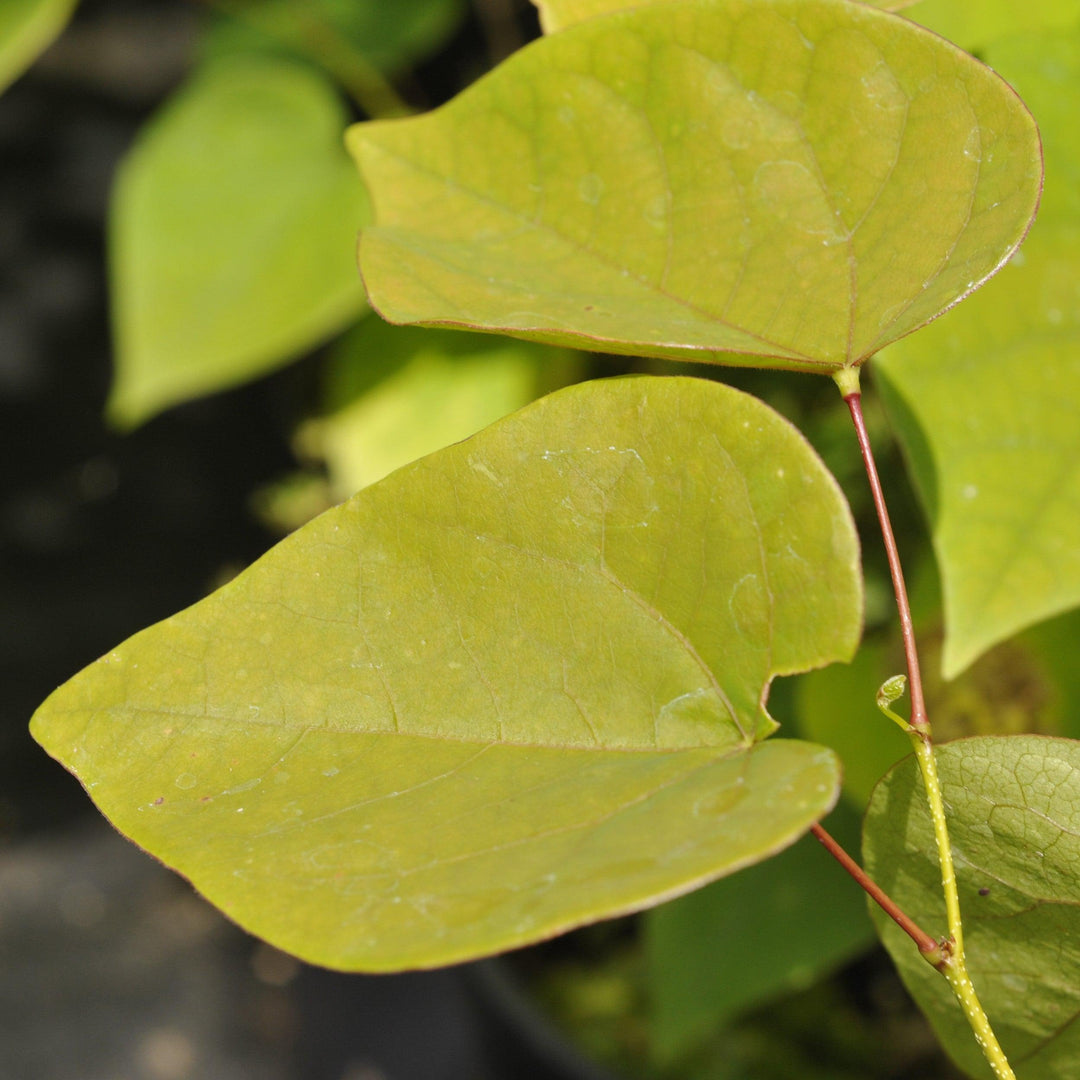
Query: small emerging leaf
point(26, 28)
point(891, 690)
point(803, 181)
point(1027, 685)
point(513, 687)
point(1014, 822)
point(232, 230)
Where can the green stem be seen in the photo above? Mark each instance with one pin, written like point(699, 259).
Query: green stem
point(952, 963)
point(960, 982)
point(955, 966)
point(924, 753)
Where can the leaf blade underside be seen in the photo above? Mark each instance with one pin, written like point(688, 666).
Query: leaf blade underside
point(1014, 811)
point(1001, 488)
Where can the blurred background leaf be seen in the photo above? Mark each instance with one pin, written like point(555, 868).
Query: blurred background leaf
point(396, 393)
point(390, 36)
point(974, 24)
point(776, 927)
point(984, 400)
point(232, 235)
point(26, 28)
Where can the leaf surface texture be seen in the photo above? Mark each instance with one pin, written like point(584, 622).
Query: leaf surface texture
point(514, 687)
point(559, 14)
point(799, 181)
point(1014, 821)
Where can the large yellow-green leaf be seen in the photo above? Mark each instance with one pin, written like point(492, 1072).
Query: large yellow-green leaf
point(559, 14)
point(974, 24)
point(801, 180)
point(985, 400)
point(1014, 820)
point(513, 687)
point(26, 28)
point(232, 232)
point(397, 393)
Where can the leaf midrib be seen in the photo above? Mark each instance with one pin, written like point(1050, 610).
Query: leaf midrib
point(125, 713)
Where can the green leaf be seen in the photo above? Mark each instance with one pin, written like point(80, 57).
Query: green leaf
point(26, 28)
point(513, 687)
point(559, 14)
point(419, 391)
point(390, 36)
point(975, 24)
point(801, 180)
point(777, 927)
point(1053, 645)
point(1014, 821)
point(984, 401)
point(232, 232)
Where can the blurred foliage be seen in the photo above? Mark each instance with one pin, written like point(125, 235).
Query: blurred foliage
point(26, 28)
point(855, 1024)
point(230, 235)
point(396, 393)
point(390, 37)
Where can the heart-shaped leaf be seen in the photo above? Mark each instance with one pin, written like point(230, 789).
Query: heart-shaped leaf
point(984, 401)
point(26, 28)
point(975, 24)
point(231, 235)
point(1014, 821)
point(513, 687)
point(801, 180)
point(559, 14)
